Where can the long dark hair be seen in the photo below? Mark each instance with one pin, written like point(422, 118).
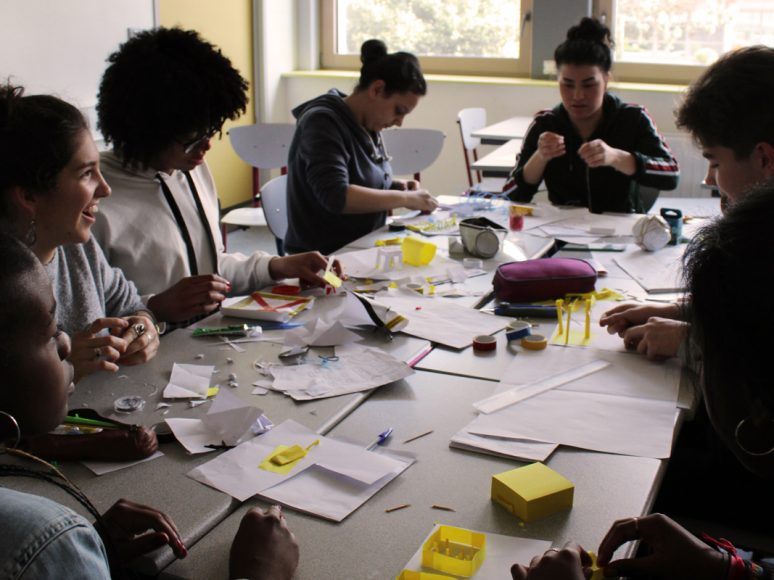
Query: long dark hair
point(400, 71)
point(38, 137)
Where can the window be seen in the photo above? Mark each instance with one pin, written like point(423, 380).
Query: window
point(673, 40)
point(454, 36)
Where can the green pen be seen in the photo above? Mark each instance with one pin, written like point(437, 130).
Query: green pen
point(75, 420)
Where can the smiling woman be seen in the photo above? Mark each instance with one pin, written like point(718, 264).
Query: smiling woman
point(50, 188)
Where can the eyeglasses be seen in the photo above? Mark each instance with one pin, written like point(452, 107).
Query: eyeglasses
point(196, 142)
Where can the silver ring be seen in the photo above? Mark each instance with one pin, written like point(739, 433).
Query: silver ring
point(97, 352)
point(139, 329)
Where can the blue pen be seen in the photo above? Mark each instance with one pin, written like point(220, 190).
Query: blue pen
point(380, 439)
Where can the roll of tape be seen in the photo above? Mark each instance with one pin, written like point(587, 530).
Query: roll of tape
point(484, 342)
point(534, 342)
point(518, 329)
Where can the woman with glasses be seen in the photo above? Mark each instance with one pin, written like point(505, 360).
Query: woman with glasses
point(340, 183)
point(164, 95)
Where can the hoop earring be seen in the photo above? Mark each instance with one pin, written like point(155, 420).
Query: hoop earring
point(743, 448)
point(32, 235)
point(15, 424)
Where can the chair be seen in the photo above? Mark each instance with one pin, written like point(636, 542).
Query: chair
point(275, 207)
point(412, 150)
point(262, 146)
point(471, 120)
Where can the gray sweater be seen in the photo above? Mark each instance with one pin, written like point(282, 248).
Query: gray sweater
point(330, 151)
point(87, 288)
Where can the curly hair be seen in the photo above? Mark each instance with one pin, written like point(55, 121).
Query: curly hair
point(38, 137)
point(163, 85)
point(730, 105)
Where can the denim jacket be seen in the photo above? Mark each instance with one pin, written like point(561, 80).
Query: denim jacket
point(41, 539)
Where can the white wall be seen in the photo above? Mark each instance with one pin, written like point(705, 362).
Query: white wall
point(438, 110)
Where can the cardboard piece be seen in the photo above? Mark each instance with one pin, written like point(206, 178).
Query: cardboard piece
point(532, 492)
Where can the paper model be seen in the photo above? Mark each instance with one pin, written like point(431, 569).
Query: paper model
point(532, 492)
point(413, 575)
point(265, 306)
point(454, 550)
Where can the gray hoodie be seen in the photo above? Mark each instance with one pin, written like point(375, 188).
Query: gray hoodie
point(330, 151)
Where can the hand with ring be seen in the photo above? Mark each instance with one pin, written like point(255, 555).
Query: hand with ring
point(94, 350)
point(570, 563)
point(142, 339)
point(674, 551)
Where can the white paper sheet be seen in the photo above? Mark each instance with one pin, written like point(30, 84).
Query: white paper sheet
point(606, 423)
point(103, 467)
point(236, 472)
point(191, 434)
point(586, 224)
point(502, 552)
point(232, 419)
point(656, 272)
point(441, 320)
point(523, 450)
point(188, 381)
point(358, 368)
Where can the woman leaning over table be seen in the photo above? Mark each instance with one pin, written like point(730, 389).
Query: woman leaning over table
point(340, 183)
point(592, 149)
point(50, 188)
point(41, 539)
point(733, 354)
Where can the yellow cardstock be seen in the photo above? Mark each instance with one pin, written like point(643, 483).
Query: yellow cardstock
point(532, 492)
point(455, 551)
point(414, 575)
point(332, 279)
point(212, 391)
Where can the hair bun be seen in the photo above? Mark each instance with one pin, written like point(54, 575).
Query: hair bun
point(590, 29)
point(372, 50)
point(8, 94)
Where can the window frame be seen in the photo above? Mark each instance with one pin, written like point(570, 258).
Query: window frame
point(505, 67)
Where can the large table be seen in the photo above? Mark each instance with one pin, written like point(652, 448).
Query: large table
point(369, 543)
point(499, 162)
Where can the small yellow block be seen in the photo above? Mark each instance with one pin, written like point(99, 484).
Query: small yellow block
point(332, 279)
point(532, 492)
point(455, 551)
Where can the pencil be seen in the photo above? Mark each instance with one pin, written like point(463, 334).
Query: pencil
point(410, 439)
point(397, 507)
point(71, 420)
point(435, 506)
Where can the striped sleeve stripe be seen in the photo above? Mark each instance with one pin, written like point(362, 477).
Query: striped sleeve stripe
point(661, 167)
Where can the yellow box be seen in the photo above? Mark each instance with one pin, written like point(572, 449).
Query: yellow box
point(454, 551)
point(532, 492)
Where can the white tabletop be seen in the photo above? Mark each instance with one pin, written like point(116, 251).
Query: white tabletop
point(513, 128)
point(501, 161)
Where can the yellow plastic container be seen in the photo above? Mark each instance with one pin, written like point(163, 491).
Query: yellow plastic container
point(417, 252)
point(454, 551)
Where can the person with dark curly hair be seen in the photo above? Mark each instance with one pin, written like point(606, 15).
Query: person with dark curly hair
point(165, 94)
point(592, 150)
point(340, 183)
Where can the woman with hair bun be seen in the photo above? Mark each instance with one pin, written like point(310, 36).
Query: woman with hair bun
point(340, 183)
point(592, 150)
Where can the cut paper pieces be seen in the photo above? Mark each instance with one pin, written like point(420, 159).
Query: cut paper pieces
point(568, 335)
point(266, 306)
point(354, 368)
point(331, 481)
point(501, 552)
point(103, 467)
point(361, 310)
point(188, 381)
point(228, 421)
point(363, 264)
point(521, 449)
point(320, 333)
point(441, 320)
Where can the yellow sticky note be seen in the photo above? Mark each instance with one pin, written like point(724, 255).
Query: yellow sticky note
point(332, 279)
point(532, 492)
point(285, 457)
point(212, 391)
